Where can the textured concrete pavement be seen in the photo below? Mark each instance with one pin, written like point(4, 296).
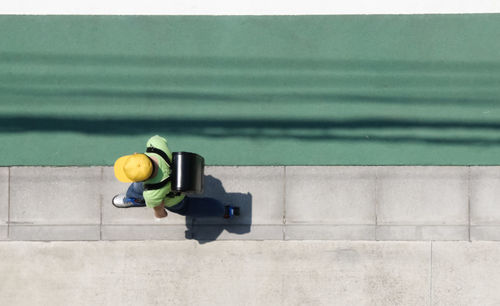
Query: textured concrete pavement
point(307, 236)
point(249, 273)
point(277, 203)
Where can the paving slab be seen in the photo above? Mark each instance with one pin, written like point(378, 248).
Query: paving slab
point(61, 202)
point(218, 273)
point(330, 195)
point(465, 273)
point(4, 232)
point(126, 216)
point(485, 233)
point(205, 233)
point(410, 233)
point(230, 185)
point(135, 223)
point(144, 232)
point(54, 232)
point(4, 202)
point(259, 191)
point(201, 233)
point(484, 195)
point(56, 195)
point(329, 232)
point(422, 196)
point(362, 273)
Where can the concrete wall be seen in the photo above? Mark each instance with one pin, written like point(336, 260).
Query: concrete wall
point(277, 203)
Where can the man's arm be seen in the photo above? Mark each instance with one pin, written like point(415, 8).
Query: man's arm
point(160, 211)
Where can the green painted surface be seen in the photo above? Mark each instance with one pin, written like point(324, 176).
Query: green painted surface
point(303, 90)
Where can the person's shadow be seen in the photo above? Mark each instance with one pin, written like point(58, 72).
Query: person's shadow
point(206, 229)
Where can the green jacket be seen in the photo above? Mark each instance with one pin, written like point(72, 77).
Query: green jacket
point(154, 198)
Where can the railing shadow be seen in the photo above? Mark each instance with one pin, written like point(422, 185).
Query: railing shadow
point(109, 88)
point(207, 229)
point(242, 79)
point(335, 129)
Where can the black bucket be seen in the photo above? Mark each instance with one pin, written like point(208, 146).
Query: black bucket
point(187, 172)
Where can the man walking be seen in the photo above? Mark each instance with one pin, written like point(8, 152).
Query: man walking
point(149, 174)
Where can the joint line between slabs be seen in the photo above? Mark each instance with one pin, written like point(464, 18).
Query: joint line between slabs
point(468, 200)
point(284, 202)
point(101, 197)
point(376, 206)
point(431, 276)
point(8, 203)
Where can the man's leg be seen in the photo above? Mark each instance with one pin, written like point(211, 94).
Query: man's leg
point(132, 198)
point(135, 191)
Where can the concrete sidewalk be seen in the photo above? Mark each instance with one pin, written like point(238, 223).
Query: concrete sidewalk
point(277, 203)
point(283, 250)
point(249, 273)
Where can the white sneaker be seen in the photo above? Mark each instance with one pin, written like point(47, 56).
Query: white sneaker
point(121, 201)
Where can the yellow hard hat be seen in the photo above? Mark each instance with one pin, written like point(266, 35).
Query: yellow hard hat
point(133, 168)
